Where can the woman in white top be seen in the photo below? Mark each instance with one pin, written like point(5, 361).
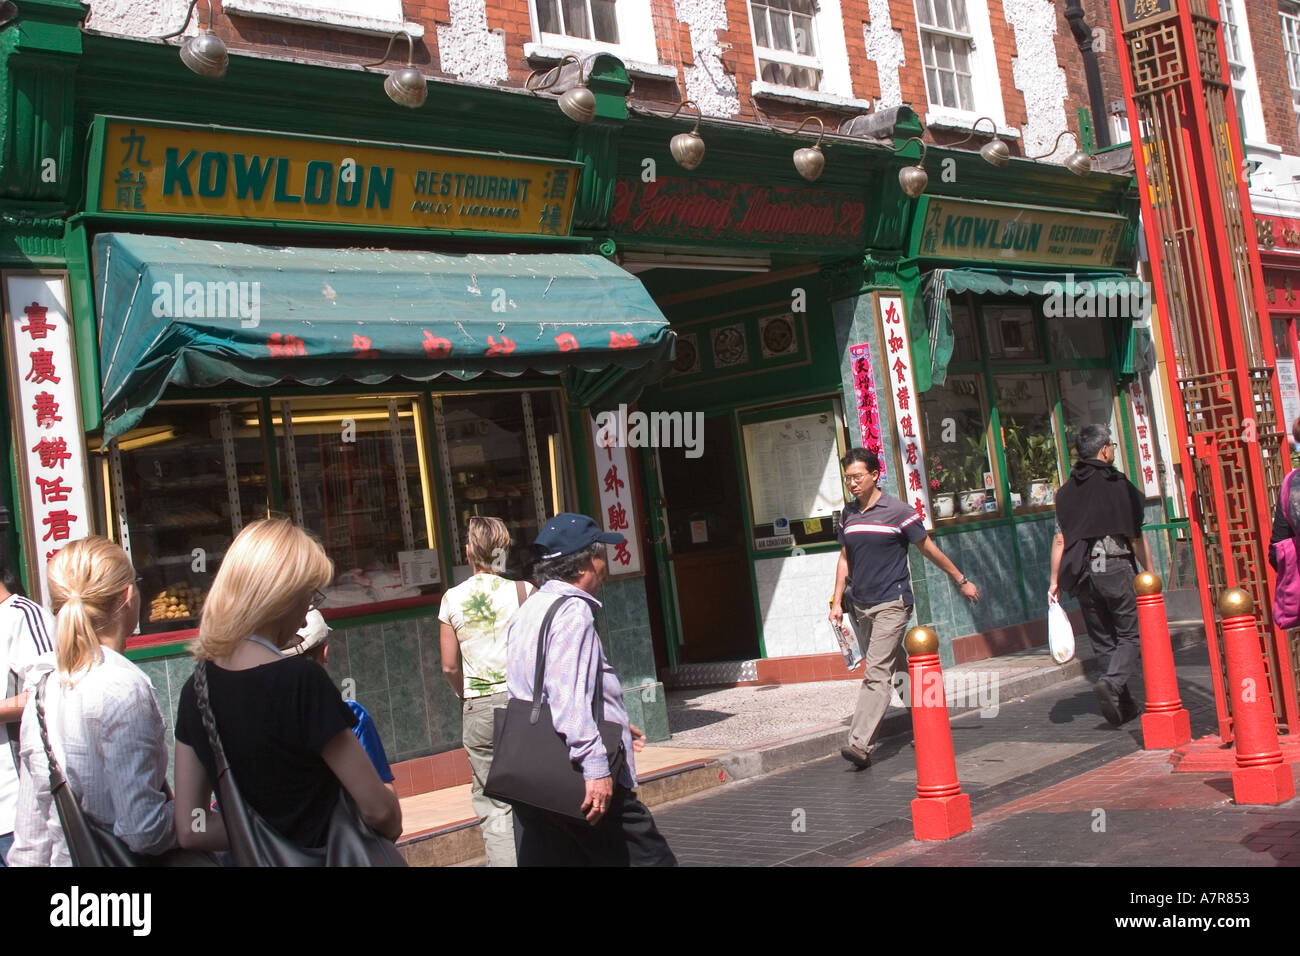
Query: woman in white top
point(104, 723)
point(475, 616)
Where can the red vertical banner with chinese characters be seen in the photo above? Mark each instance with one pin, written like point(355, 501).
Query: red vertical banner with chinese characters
point(1146, 441)
point(48, 439)
point(900, 383)
point(864, 391)
point(617, 499)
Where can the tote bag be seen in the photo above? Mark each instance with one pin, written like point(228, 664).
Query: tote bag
point(1060, 633)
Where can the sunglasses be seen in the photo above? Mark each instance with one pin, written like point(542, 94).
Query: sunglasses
point(317, 597)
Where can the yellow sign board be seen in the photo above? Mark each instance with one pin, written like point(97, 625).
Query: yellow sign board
point(1000, 232)
point(182, 170)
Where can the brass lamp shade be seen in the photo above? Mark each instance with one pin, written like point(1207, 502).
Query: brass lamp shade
point(810, 161)
point(913, 180)
point(995, 152)
point(687, 149)
point(1079, 163)
point(206, 55)
point(579, 104)
point(406, 87)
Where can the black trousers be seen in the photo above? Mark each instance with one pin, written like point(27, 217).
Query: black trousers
point(1109, 605)
point(625, 836)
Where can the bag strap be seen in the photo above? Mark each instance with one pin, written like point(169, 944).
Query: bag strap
point(57, 779)
point(539, 673)
point(1287, 484)
point(209, 721)
point(521, 592)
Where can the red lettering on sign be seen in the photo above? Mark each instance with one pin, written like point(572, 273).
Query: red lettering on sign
point(617, 517)
point(285, 345)
point(361, 345)
point(53, 453)
point(38, 326)
point(565, 342)
point(504, 347)
point(436, 346)
point(622, 340)
point(53, 492)
point(42, 369)
point(46, 409)
point(59, 522)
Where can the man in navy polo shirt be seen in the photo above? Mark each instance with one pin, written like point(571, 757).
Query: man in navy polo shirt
point(875, 530)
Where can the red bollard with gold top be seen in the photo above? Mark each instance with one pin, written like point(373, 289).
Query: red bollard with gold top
point(1165, 723)
point(1260, 777)
point(940, 811)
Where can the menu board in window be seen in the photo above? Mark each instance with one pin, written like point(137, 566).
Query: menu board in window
point(794, 479)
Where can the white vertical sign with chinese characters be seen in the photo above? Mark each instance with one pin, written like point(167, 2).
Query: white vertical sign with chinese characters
point(900, 383)
point(1146, 441)
point(617, 502)
point(50, 445)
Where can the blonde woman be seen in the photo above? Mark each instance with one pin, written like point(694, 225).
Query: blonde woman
point(283, 725)
point(474, 617)
point(104, 723)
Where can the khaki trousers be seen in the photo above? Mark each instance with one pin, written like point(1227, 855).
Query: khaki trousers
point(494, 817)
point(880, 635)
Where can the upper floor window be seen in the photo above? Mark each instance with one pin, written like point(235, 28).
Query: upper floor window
point(1290, 13)
point(947, 44)
point(785, 42)
point(1241, 70)
point(1232, 46)
point(624, 28)
point(584, 19)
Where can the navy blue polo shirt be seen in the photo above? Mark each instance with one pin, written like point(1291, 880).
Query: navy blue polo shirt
point(877, 541)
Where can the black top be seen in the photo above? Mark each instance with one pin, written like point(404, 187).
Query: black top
point(876, 542)
point(274, 720)
point(1096, 501)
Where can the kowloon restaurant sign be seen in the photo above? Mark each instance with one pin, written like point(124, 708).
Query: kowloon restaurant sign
point(966, 229)
point(711, 209)
point(183, 170)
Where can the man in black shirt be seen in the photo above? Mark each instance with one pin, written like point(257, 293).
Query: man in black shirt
point(875, 530)
point(1098, 536)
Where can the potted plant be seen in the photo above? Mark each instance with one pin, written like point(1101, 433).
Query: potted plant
point(941, 496)
point(971, 476)
point(1031, 464)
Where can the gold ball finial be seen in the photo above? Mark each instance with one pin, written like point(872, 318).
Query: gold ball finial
point(921, 640)
point(1235, 602)
point(1148, 582)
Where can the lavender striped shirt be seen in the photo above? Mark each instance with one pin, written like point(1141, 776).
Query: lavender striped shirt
point(574, 658)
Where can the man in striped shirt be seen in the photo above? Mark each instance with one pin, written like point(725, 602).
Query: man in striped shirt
point(875, 530)
point(26, 632)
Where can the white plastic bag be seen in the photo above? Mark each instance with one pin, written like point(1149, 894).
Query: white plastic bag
point(1060, 635)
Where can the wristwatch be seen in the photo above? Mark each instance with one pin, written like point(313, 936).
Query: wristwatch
point(964, 580)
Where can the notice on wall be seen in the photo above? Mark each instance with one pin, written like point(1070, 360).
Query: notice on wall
point(51, 450)
point(794, 468)
point(900, 383)
point(419, 567)
point(1287, 385)
point(1146, 441)
point(617, 500)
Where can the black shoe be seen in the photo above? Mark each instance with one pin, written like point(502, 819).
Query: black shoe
point(1128, 709)
point(856, 757)
point(1108, 700)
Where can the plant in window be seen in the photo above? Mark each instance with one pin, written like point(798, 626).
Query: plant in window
point(974, 465)
point(1031, 464)
point(941, 491)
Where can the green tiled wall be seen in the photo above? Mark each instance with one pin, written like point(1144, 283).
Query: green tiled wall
point(395, 671)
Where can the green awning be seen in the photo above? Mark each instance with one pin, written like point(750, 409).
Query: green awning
point(1124, 294)
point(196, 313)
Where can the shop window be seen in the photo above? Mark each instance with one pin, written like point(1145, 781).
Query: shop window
point(785, 42)
point(1087, 398)
point(1077, 338)
point(954, 419)
point(184, 482)
point(351, 473)
point(965, 346)
point(502, 457)
point(947, 45)
point(1029, 441)
point(1011, 333)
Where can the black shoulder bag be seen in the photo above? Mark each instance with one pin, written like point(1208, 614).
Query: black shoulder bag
point(254, 842)
point(530, 758)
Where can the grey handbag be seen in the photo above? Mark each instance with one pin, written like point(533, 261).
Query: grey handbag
point(530, 758)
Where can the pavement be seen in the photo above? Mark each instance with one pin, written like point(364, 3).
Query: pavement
point(752, 777)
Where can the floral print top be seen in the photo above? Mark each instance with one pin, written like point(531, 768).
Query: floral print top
point(480, 610)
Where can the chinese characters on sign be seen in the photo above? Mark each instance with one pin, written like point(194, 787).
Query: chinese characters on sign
point(1146, 442)
point(864, 389)
point(50, 448)
point(912, 486)
point(617, 505)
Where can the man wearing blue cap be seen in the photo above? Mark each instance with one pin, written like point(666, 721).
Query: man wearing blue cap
point(619, 830)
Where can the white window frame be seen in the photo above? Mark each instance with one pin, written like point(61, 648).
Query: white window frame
point(635, 30)
point(773, 55)
point(986, 82)
point(1290, 15)
point(381, 17)
point(1246, 86)
point(832, 60)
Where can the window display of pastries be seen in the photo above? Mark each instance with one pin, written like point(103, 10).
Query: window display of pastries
point(176, 602)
